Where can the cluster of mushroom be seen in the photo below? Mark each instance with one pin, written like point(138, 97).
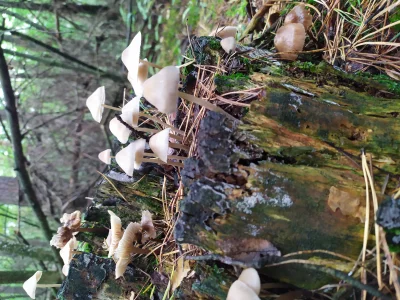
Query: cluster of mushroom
point(65, 238)
point(290, 38)
point(120, 243)
point(227, 35)
point(247, 287)
point(160, 90)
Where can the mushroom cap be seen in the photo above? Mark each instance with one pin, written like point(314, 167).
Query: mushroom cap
point(95, 103)
point(290, 37)
point(252, 279)
point(143, 71)
point(66, 253)
point(130, 158)
point(119, 130)
point(130, 112)
point(148, 231)
point(61, 238)
point(116, 233)
point(241, 291)
point(30, 285)
point(72, 220)
point(105, 156)
point(228, 44)
point(161, 90)
point(130, 58)
point(159, 144)
point(299, 14)
point(224, 32)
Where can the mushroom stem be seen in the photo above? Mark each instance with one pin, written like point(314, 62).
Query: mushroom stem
point(169, 156)
point(157, 120)
point(160, 162)
point(54, 285)
point(150, 64)
point(144, 129)
point(111, 107)
point(99, 230)
point(179, 146)
point(206, 104)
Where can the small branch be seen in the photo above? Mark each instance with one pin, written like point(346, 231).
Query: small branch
point(5, 130)
point(256, 18)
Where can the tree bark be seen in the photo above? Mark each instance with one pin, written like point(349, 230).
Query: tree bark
point(19, 158)
point(62, 7)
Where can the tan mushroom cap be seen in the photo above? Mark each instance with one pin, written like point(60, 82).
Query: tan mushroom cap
point(228, 44)
point(143, 71)
point(299, 14)
point(290, 37)
point(241, 291)
point(66, 254)
point(159, 144)
point(224, 32)
point(252, 279)
point(131, 56)
point(130, 158)
point(161, 90)
point(148, 231)
point(30, 285)
point(130, 112)
point(105, 156)
point(119, 130)
point(72, 220)
point(116, 233)
point(95, 103)
point(125, 248)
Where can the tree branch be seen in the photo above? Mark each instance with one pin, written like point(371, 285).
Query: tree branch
point(19, 158)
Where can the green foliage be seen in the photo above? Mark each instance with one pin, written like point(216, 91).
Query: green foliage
point(237, 9)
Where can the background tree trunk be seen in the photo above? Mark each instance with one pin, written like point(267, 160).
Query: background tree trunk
point(9, 191)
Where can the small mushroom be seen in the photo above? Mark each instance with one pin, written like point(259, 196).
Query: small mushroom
point(116, 233)
point(148, 231)
point(119, 130)
point(131, 114)
point(299, 14)
point(131, 157)
point(105, 156)
point(126, 248)
point(137, 83)
point(161, 90)
point(160, 144)
point(241, 291)
point(95, 103)
point(66, 253)
point(228, 44)
point(290, 38)
point(252, 279)
point(31, 284)
point(224, 32)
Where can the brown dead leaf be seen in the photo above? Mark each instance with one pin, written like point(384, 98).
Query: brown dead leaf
point(181, 271)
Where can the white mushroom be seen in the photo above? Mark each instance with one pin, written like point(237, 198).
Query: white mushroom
point(161, 90)
point(31, 284)
point(228, 44)
point(105, 156)
point(241, 291)
point(137, 83)
point(95, 103)
point(160, 144)
point(119, 130)
point(224, 32)
point(148, 231)
point(131, 157)
point(66, 254)
point(252, 279)
point(116, 233)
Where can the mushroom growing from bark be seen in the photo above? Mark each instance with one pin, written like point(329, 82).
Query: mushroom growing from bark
point(247, 286)
point(66, 253)
point(228, 44)
point(148, 231)
point(95, 103)
point(131, 114)
point(299, 14)
point(161, 90)
point(115, 233)
point(290, 38)
point(119, 130)
point(224, 32)
point(160, 144)
point(31, 284)
point(105, 156)
point(132, 156)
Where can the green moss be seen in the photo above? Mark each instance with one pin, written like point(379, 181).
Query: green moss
point(234, 81)
point(215, 283)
